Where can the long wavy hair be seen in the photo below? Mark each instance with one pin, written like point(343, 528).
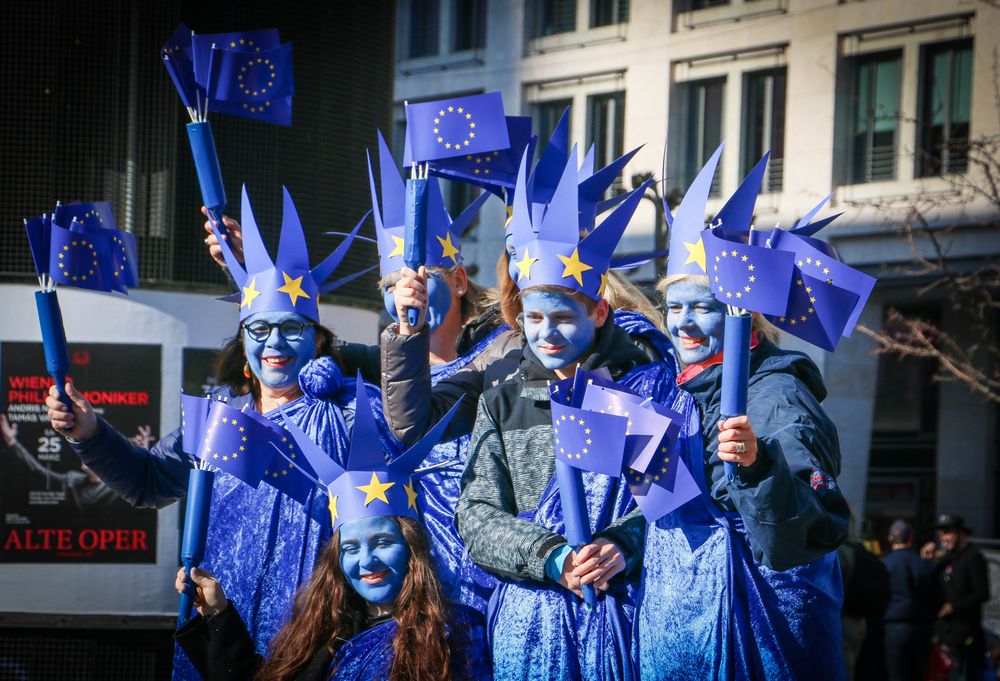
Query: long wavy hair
point(232, 359)
point(328, 612)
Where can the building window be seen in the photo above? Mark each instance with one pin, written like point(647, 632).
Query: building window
point(607, 12)
point(424, 20)
point(690, 5)
point(764, 124)
point(696, 123)
point(870, 99)
point(548, 17)
point(606, 126)
point(469, 25)
point(946, 95)
point(544, 117)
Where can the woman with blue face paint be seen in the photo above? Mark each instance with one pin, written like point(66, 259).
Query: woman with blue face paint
point(260, 543)
point(373, 609)
point(742, 582)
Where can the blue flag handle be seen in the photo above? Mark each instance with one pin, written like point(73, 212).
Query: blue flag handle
point(735, 372)
point(415, 234)
point(196, 514)
point(206, 164)
point(54, 341)
point(574, 504)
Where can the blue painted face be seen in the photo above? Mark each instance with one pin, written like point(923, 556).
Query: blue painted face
point(696, 320)
point(557, 327)
point(276, 361)
point(374, 558)
point(439, 297)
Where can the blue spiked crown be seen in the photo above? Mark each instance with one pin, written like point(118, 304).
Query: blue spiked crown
point(444, 235)
point(547, 244)
point(286, 284)
point(371, 484)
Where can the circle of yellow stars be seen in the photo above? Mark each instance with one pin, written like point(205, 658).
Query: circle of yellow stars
point(124, 257)
point(453, 143)
point(81, 276)
point(647, 478)
point(256, 77)
point(743, 259)
point(792, 320)
point(280, 472)
point(480, 168)
point(586, 431)
point(818, 264)
point(233, 455)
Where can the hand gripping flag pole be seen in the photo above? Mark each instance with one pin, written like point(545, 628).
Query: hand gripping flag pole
point(415, 227)
point(735, 369)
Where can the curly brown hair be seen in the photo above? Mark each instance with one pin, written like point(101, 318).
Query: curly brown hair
point(232, 359)
point(327, 611)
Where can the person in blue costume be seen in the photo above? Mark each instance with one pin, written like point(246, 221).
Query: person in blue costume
point(260, 543)
point(509, 513)
point(743, 581)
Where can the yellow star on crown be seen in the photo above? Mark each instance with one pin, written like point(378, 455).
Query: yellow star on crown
point(448, 249)
point(411, 494)
point(249, 294)
point(524, 265)
point(375, 489)
point(333, 510)
point(574, 267)
point(293, 287)
point(398, 248)
point(600, 291)
point(696, 253)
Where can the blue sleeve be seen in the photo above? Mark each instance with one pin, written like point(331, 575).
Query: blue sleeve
point(792, 508)
point(145, 478)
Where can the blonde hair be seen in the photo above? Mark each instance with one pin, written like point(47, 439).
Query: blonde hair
point(475, 300)
point(622, 294)
point(764, 328)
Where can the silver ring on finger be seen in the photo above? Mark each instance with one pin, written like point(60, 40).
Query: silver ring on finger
point(741, 447)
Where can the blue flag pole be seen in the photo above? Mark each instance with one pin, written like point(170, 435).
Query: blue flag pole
point(54, 341)
point(196, 515)
point(735, 371)
point(574, 504)
point(206, 164)
point(415, 234)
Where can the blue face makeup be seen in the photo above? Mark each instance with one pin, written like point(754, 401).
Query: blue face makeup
point(557, 327)
point(374, 558)
point(696, 321)
point(277, 361)
point(439, 299)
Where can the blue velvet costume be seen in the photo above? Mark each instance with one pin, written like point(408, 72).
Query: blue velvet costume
point(710, 607)
point(261, 544)
point(461, 580)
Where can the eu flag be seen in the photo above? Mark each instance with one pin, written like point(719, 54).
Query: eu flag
point(491, 169)
point(818, 312)
point(289, 470)
point(80, 259)
point(588, 440)
point(650, 492)
point(97, 220)
point(237, 442)
point(250, 42)
point(455, 127)
point(194, 415)
point(256, 85)
point(749, 277)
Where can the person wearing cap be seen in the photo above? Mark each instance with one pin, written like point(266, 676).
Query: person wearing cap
point(509, 513)
point(373, 607)
point(909, 615)
point(962, 576)
point(261, 543)
point(764, 562)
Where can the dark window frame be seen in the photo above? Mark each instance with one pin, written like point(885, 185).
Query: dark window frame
point(953, 156)
point(750, 152)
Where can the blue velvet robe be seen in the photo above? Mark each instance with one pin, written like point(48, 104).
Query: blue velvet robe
point(708, 610)
point(369, 655)
point(461, 580)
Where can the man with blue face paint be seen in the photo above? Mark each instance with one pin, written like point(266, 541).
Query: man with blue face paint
point(510, 514)
point(373, 608)
point(259, 369)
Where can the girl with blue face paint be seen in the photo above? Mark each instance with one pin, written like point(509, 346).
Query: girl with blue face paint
point(373, 609)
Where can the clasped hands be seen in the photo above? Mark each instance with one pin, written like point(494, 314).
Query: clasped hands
point(596, 563)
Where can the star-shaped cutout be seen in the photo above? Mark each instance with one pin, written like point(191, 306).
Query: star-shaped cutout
point(448, 249)
point(524, 265)
point(333, 509)
point(398, 248)
point(411, 494)
point(696, 253)
point(574, 267)
point(375, 489)
point(600, 290)
point(293, 287)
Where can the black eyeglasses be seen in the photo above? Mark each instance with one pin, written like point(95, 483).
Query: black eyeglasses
point(290, 329)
